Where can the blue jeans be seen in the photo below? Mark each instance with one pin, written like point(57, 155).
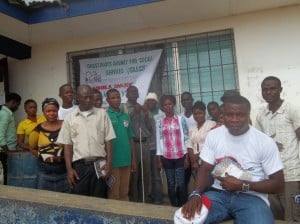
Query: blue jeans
point(156, 184)
point(242, 207)
point(52, 177)
point(175, 174)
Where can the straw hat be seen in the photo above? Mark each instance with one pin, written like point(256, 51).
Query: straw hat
point(151, 96)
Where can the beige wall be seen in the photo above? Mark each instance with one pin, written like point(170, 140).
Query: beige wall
point(267, 43)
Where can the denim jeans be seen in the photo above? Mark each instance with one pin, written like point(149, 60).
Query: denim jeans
point(175, 174)
point(156, 183)
point(242, 207)
point(52, 177)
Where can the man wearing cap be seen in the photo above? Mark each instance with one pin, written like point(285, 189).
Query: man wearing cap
point(153, 114)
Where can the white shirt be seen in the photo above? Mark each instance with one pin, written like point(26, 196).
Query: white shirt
point(190, 121)
point(62, 112)
point(254, 151)
point(197, 135)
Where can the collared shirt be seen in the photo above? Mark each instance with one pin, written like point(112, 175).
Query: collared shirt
point(8, 134)
point(282, 125)
point(121, 148)
point(172, 138)
point(160, 137)
point(138, 121)
point(26, 126)
point(197, 135)
point(87, 134)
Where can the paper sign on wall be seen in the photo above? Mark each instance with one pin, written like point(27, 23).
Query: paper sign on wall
point(120, 72)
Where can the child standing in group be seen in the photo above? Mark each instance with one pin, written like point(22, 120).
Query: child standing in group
point(123, 157)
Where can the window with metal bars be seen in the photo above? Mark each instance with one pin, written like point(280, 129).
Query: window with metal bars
point(202, 64)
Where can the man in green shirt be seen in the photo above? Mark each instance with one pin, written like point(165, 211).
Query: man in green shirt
point(8, 136)
point(123, 156)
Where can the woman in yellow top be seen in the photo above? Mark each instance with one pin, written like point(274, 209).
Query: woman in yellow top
point(51, 174)
point(26, 126)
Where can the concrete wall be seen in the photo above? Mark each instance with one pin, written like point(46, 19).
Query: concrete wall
point(267, 43)
point(21, 205)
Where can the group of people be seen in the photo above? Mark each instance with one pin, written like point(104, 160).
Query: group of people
point(236, 165)
point(249, 163)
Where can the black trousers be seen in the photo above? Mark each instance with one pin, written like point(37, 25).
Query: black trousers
point(3, 159)
point(88, 183)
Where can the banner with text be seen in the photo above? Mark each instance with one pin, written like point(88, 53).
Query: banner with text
point(120, 72)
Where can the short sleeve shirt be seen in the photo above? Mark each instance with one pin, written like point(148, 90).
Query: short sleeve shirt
point(26, 126)
point(282, 126)
point(197, 136)
point(87, 134)
point(62, 112)
point(121, 148)
point(254, 151)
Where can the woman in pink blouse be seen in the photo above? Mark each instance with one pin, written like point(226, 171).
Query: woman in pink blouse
point(172, 135)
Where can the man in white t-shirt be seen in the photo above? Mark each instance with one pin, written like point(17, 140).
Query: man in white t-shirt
point(67, 106)
point(246, 166)
point(281, 120)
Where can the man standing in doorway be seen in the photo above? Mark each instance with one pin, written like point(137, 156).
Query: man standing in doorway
point(281, 121)
point(8, 136)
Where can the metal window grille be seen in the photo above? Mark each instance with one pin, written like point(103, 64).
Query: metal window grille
point(202, 64)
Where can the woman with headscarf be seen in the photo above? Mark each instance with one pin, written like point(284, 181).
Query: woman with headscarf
point(51, 165)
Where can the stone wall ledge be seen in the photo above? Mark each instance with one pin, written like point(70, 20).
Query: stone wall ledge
point(24, 205)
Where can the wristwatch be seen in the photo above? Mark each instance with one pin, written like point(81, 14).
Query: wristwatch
point(245, 187)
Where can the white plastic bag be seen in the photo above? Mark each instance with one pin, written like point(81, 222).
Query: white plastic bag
point(198, 218)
